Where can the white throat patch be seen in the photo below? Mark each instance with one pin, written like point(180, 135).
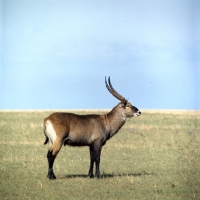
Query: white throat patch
point(123, 117)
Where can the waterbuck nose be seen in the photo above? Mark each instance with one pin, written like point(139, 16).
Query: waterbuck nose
point(139, 112)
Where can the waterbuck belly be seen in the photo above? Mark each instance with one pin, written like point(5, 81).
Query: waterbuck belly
point(77, 142)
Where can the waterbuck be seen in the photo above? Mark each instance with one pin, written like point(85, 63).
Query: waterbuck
point(86, 130)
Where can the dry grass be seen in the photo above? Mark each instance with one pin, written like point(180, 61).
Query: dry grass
point(155, 156)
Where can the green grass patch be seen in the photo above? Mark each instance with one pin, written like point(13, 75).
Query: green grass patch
point(154, 156)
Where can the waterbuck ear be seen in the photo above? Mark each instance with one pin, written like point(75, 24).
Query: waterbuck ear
point(124, 103)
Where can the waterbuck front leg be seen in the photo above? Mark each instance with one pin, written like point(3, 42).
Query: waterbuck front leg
point(90, 174)
point(95, 153)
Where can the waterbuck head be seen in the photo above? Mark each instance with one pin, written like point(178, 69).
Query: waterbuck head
point(125, 107)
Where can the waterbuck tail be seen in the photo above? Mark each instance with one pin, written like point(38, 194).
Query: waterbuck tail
point(44, 129)
point(47, 140)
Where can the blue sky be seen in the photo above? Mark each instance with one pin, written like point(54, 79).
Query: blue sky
point(55, 54)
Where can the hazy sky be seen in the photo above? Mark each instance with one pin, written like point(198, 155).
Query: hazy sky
point(55, 54)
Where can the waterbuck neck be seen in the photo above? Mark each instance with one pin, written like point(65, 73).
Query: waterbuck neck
point(116, 121)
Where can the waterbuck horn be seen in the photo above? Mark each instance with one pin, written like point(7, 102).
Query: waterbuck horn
point(113, 91)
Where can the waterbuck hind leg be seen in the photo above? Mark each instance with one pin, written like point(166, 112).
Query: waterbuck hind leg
point(51, 155)
point(51, 159)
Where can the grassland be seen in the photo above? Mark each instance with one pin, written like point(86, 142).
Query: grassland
point(154, 156)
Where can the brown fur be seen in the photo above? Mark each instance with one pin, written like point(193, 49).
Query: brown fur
point(86, 130)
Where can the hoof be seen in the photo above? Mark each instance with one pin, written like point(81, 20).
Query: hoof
point(91, 175)
point(51, 175)
point(98, 176)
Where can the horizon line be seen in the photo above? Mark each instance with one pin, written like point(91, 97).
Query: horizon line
point(101, 110)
